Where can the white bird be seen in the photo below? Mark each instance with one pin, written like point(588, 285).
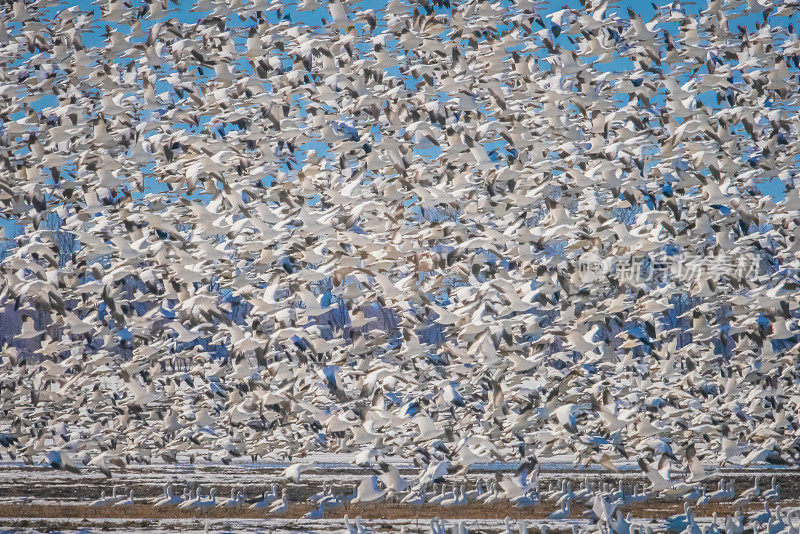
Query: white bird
point(209, 502)
point(129, 501)
point(748, 495)
point(280, 506)
point(773, 493)
point(318, 513)
point(236, 500)
point(430, 233)
point(193, 499)
point(368, 490)
point(103, 500)
point(169, 499)
point(294, 471)
point(267, 499)
point(563, 513)
point(437, 526)
point(456, 499)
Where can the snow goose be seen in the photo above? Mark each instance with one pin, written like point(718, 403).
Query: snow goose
point(748, 495)
point(438, 497)
point(348, 528)
point(773, 493)
point(414, 497)
point(281, 506)
point(762, 517)
point(368, 490)
point(456, 499)
point(169, 499)
point(115, 498)
point(494, 496)
point(268, 497)
point(128, 501)
point(318, 513)
point(103, 500)
point(192, 500)
point(295, 471)
point(164, 494)
point(333, 501)
point(234, 501)
point(720, 494)
point(563, 513)
point(323, 493)
point(702, 499)
point(437, 526)
point(476, 493)
point(679, 522)
point(209, 502)
point(360, 526)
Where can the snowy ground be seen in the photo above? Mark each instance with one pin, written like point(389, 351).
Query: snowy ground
point(26, 491)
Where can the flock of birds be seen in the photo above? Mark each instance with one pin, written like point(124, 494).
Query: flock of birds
point(601, 501)
point(251, 230)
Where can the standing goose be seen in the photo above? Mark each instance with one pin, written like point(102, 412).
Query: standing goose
point(102, 501)
point(167, 488)
point(128, 501)
point(437, 497)
point(563, 513)
point(748, 495)
point(209, 502)
point(192, 500)
point(436, 526)
point(281, 506)
point(773, 493)
point(318, 513)
point(268, 497)
point(232, 502)
point(169, 499)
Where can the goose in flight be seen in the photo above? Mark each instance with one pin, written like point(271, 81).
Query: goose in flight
point(425, 231)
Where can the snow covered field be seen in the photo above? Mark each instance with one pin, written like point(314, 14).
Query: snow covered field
point(38, 499)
